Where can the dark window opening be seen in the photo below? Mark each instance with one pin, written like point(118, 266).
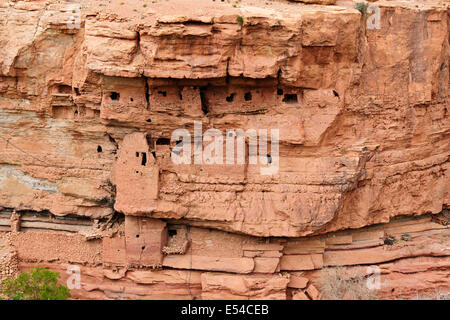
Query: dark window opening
point(114, 96)
point(163, 93)
point(137, 236)
point(335, 93)
point(172, 233)
point(64, 89)
point(290, 98)
point(144, 158)
point(154, 154)
point(180, 95)
point(248, 96)
point(230, 98)
point(77, 91)
point(179, 143)
point(147, 98)
point(279, 73)
point(76, 112)
point(163, 142)
point(99, 149)
point(204, 101)
point(137, 154)
point(269, 158)
point(131, 99)
point(143, 248)
point(148, 120)
point(280, 92)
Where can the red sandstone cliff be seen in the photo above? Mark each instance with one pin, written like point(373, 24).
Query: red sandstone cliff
point(91, 92)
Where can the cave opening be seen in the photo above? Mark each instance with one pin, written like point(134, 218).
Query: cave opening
point(230, 98)
point(114, 95)
point(204, 101)
point(163, 142)
point(290, 98)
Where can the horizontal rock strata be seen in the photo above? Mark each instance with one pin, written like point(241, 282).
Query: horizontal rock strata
point(91, 93)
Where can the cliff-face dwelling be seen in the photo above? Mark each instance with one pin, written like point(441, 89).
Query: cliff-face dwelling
point(348, 109)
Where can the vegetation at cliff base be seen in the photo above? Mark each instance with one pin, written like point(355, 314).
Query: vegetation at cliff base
point(37, 284)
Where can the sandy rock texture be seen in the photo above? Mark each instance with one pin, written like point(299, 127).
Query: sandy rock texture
point(9, 263)
point(92, 91)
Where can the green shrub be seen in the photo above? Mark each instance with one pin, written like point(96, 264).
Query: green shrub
point(38, 284)
point(240, 20)
point(362, 7)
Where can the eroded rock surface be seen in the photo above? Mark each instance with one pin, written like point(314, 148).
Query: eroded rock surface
point(90, 94)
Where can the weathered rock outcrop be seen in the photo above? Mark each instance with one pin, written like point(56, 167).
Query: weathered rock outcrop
point(9, 264)
point(91, 93)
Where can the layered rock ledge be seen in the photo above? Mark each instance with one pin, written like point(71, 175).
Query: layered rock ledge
point(91, 92)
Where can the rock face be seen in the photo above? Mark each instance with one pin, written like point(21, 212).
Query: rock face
point(93, 101)
point(9, 265)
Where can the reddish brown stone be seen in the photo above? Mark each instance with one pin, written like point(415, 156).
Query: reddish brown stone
point(145, 238)
point(87, 113)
